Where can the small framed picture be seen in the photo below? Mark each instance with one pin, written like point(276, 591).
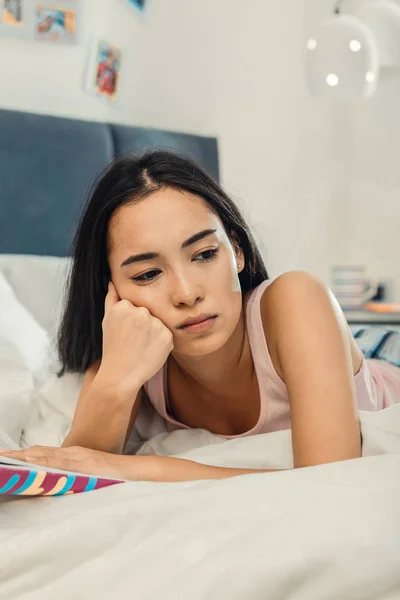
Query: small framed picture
point(105, 69)
point(13, 13)
point(15, 19)
point(56, 23)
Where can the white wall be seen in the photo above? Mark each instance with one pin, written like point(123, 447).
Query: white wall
point(48, 78)
point(364, 220)
point(374, 207)
point(319, 183)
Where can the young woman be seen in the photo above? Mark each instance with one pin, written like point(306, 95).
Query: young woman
point(169, 296)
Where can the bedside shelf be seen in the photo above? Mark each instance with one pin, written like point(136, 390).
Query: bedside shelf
point(367, 317)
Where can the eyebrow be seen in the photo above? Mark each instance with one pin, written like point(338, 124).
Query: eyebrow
point(150, 255)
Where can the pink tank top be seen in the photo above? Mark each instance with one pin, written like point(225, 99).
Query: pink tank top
point(377, 382)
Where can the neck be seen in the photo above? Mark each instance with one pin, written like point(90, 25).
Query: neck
point(221, 372)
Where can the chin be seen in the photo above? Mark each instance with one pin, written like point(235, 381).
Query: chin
point(201, 346)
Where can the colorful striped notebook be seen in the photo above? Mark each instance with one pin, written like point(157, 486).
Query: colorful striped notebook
point(25, 479)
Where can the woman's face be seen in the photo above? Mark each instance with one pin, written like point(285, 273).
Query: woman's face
point(179, 281)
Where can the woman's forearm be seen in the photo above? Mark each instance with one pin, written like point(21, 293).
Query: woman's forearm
point(104, 418)
point(170, 468)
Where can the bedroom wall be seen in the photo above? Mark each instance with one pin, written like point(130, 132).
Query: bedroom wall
point(48, 78)
point(318, 182)
point(306, 172)
point(364, 217)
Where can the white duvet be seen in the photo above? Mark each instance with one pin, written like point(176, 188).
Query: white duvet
point(328, 532)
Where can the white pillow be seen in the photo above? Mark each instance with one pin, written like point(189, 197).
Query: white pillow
point(39, 284)
point(53, 406)
point(16, 389)
point(36, 283)
point(19, 327)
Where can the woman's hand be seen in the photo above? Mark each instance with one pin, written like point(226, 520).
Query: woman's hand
point(80, 460)
point(135, 344)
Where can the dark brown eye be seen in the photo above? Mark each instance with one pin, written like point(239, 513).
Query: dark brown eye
point(205, 256)
point(210, 254)
point(145, 276)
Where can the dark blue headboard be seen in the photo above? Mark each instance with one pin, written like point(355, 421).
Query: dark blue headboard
point(47, 165)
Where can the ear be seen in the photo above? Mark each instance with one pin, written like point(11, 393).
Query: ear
point(234, 238)
point(240, 259)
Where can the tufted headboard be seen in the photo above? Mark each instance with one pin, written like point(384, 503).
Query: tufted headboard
point(47, 165)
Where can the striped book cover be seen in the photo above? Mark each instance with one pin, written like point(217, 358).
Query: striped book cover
point(27, 480)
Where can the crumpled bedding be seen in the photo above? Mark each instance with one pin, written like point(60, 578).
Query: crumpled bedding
point(326, 532)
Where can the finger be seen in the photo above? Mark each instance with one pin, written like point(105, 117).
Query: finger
point(50, 457)
point(76, 465)
point(33, 452)
point(18, 454)
point(95, 463)
point(111, 297)
point(61, 462)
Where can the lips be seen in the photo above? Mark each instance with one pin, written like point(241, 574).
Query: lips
point(202, 326)
point(196, 320)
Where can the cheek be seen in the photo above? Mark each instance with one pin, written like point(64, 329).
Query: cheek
point(227, 280)
point(140, 296)
point(127, 291)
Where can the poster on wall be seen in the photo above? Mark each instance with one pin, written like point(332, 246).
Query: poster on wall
point(57, 21)
point(48, 20)
point(14, 21)
point(13, 13)
point(104, 69)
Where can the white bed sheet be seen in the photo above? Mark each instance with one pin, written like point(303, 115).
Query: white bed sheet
point(328, 532)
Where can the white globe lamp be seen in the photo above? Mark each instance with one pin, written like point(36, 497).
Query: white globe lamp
point(348, 55)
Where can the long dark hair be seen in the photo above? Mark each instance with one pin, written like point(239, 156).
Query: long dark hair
point(125, 180)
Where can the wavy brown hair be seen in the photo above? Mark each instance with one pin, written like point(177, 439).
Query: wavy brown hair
point(124, 181)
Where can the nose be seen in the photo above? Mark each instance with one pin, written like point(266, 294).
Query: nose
point(185, 290)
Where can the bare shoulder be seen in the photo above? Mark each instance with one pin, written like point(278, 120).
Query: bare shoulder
point(295, 288)
point(292, 281)
point(294, 305)
point(292, 291)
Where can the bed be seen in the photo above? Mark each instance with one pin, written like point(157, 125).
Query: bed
point(326, 532)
